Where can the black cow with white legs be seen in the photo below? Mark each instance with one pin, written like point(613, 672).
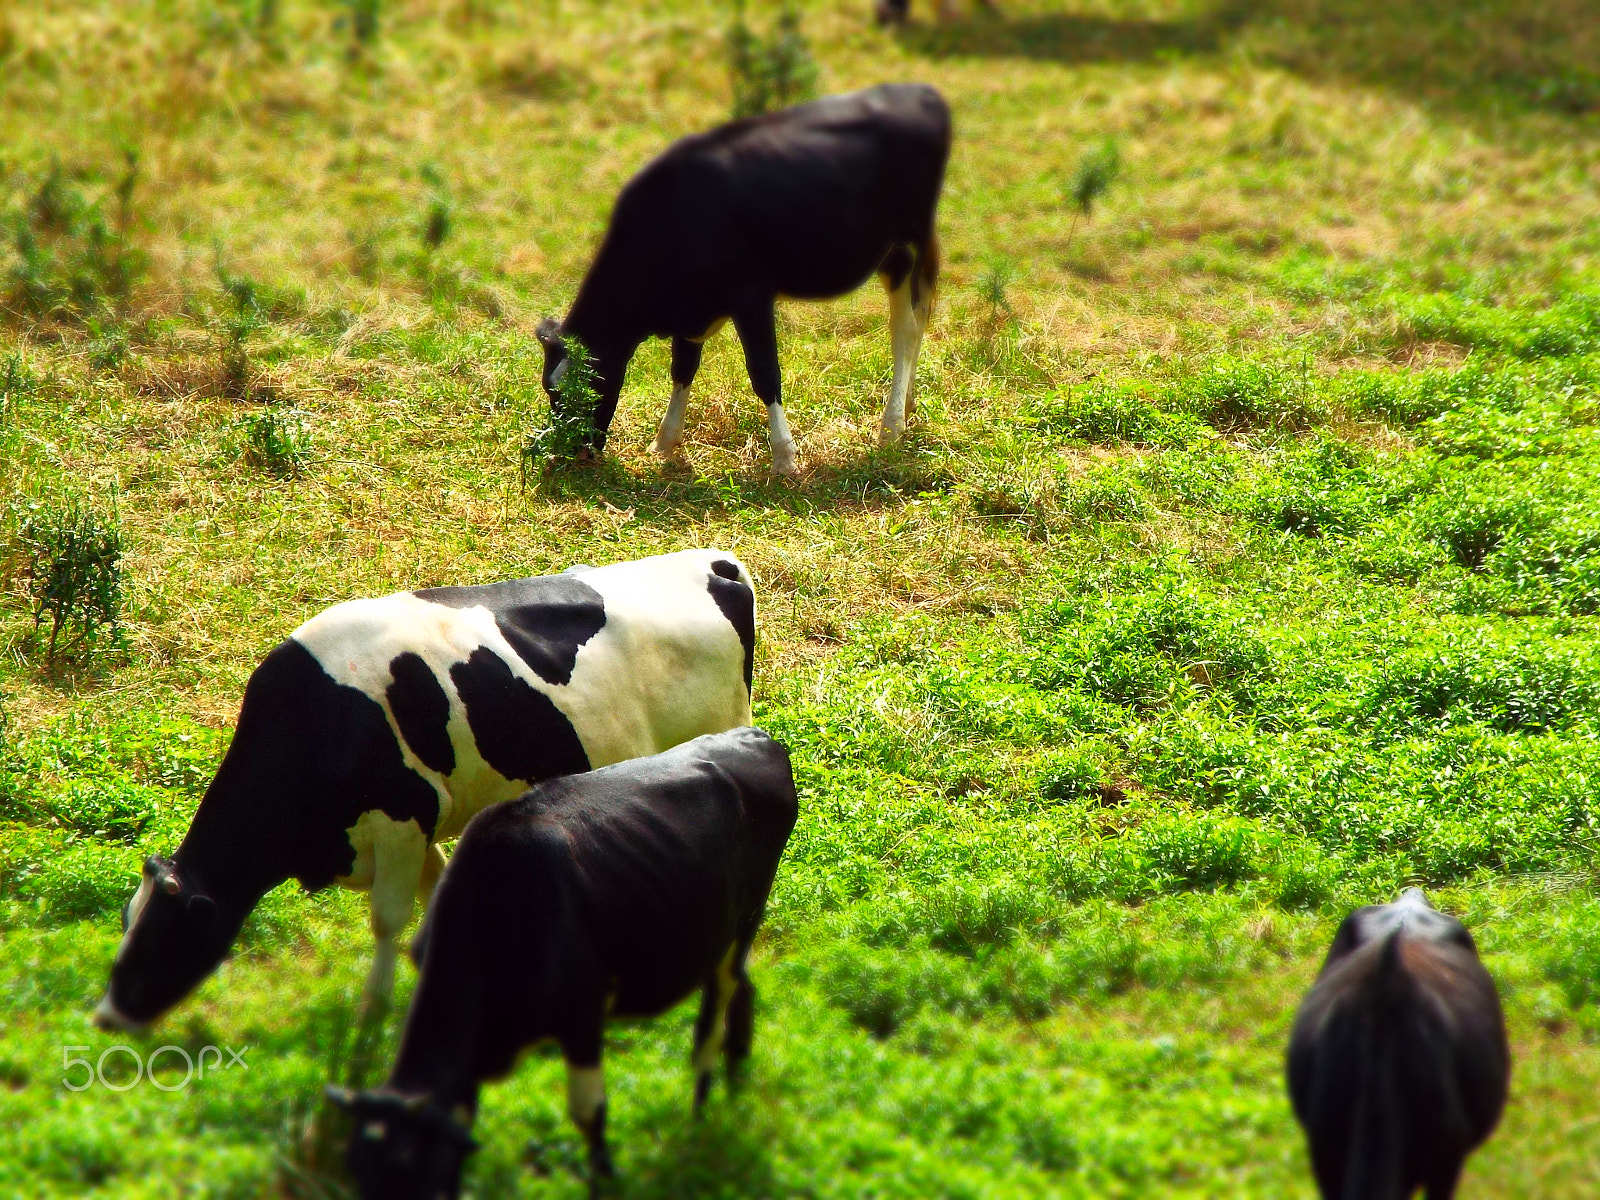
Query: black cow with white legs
point(803, 204)
point(618, 894)
point(1398, 1061)
point(379, 727)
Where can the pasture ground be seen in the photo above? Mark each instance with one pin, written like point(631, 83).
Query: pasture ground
point(1242, 565)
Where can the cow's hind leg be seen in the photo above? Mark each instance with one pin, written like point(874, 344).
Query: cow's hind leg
point(586, 1097)
point(758, 334)
point(433, 864)
point(924, 287)
point(685, 362)
point(741, 1018)
point(711, 1025)
point(909, 275)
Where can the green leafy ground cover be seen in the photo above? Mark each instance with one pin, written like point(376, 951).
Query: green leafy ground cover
point(1243, 564)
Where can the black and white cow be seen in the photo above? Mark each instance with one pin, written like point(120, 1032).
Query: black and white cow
point(803, 204)
point(612, 894)
point(381, 726)
point(1398, 1061)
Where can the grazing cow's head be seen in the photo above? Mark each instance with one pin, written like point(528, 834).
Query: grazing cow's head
point(173, 936)
point(403, 1147)
point(556, 358)
point(567, 361)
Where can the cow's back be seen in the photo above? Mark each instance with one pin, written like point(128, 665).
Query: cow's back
point(481, 691)
point(674, 659)
point(737, 208)
point(670, 859)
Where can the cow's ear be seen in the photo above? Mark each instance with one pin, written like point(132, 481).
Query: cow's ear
point(155, 866)
point(203, 909)
point(549, 333)
point(340, 1097)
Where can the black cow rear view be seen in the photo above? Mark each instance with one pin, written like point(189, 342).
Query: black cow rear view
point(805, 204)
point(1398, 1062)
point(613, 893)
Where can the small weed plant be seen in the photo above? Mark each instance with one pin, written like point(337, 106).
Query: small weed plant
point(346, 1047)
point(276, 440)
point(772, 72)
point(1096, 171)
point(571, 415)
point(71, 563)
point(107, 344)
point(1091, 179)
point(17, 382)
point(436, 217)
point(241, 317)
point(441, 282)
point(994, 284)
point(364, 20)
point(71, 260)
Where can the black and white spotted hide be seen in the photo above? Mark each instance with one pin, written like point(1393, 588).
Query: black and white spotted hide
point(379, 727)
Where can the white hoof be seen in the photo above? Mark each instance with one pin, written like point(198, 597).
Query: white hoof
point(664, 449)
point(788, 467)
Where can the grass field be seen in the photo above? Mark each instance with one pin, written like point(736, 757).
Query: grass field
point(1242, 565)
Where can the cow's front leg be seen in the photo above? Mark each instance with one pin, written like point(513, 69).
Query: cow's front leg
point(758, 334)
point(586, 1098)
point(685, 362)
point(399, 854)
point(610, 372)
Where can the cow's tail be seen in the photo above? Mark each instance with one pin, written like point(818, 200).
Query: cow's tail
point(738, 605)
point(1384, 1010)
point(728, 566)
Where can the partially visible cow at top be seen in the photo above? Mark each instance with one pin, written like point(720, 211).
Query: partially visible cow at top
point(1398, 1061)
point(379, 727)
point(617, 894)
point(804, 204)
point(895, 12)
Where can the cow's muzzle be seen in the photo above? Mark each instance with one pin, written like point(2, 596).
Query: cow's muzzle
point(112, 1021)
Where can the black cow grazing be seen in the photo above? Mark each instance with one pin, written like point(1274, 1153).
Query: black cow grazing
point(612, 894)
point(1398, 1062)
point(895, 12)
point(804, 204)
point(381, 726)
